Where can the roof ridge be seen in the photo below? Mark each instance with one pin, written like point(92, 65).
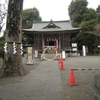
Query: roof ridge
point(52, 21)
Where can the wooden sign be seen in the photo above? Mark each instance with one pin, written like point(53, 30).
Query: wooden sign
point(29, 55)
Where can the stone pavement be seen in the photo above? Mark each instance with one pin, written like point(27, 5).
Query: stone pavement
point(42, 83)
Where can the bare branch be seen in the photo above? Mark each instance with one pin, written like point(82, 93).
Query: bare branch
point(3, 12)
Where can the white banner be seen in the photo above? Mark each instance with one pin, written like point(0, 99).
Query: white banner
point(84, 50)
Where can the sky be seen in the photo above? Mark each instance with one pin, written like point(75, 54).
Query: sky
point(55, 9)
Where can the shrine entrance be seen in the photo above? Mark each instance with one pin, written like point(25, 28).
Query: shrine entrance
point(51, 33)
point(51, 43)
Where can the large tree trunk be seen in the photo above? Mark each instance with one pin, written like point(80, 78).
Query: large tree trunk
point(12, 65)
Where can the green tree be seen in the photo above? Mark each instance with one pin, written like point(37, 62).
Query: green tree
point(98, 9)
point(87, 19)
point(29, 16)
point(76, 9)
point(89, 25)
point(79, 12)
point(27, 40)
point(89, 40)
point(98, 13)
point(89, 15)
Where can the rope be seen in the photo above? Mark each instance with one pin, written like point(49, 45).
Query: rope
point(47, 49)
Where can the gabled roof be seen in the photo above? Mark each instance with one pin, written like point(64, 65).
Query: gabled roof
point(51, 25)
point(43, 26)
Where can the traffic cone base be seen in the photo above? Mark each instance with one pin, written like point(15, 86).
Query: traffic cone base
point(72, 81)
point(73, 84)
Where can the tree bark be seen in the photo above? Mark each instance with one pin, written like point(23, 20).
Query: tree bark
point(12, 65)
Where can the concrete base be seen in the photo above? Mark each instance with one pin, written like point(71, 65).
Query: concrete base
point(97, 82)
point(96, 92)
point(96, 88)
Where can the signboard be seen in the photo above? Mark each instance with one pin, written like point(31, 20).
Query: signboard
point(74, 49)
point(98, 46)
point(74, 44)
point(35, 53)
point(29, 61)
point(29, 55)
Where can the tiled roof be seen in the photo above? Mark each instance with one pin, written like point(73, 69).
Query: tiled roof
point(45, 26)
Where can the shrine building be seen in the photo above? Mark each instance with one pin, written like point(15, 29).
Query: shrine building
point(52, 33)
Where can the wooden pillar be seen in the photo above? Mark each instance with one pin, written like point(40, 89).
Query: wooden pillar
point(59, 42)
point(42, 41)
point(63, 40)
point(38, 41)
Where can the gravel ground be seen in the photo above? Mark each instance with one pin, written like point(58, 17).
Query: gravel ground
point(10, 80)
point(85, 78)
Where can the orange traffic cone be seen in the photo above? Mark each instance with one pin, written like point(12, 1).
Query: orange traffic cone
point(72, 78)
point(62, 65)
